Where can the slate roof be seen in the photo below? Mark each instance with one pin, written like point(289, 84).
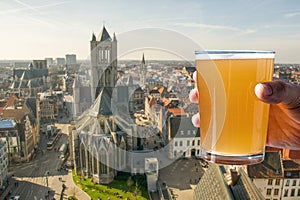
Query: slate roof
point(103, 102)
point(180, 126)
point(271, 167)
point(31, 104)
point(103, 35)
point(27, 74)
point(212, 185)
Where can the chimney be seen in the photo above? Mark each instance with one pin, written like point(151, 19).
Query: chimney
point(234, 176)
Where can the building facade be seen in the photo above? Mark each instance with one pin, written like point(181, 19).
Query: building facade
point(47, 107)
point(9, 134)
point(183, 137)
point(3, 164)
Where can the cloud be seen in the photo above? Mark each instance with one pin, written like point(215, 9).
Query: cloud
point(292, 14)
point(216, 27)
point(28, 7)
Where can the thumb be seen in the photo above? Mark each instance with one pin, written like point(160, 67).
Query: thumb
point(278, 92)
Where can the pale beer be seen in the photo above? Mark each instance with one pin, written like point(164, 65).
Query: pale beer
point(233, 121)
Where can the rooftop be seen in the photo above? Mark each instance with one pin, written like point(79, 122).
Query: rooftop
point(7, 123)
point(271, 167)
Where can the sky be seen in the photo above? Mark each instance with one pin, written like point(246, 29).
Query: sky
point(162, 29)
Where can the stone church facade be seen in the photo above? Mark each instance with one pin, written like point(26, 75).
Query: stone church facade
point(99, 145)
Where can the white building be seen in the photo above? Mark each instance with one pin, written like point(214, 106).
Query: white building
point(184, 138)
point(3, 163)
point(268, 176)
point(277, 177)
point(291, 184)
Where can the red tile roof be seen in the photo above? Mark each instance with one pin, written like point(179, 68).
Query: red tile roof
point(176, 111)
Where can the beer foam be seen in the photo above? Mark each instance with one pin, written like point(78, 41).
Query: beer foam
point(232, 54)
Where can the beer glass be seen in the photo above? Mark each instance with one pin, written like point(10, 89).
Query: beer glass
point(233, 121)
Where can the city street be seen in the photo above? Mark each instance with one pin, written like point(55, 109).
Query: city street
point(40, 178)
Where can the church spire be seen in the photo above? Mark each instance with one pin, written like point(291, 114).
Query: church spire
point(104, 35)
point(143, 60)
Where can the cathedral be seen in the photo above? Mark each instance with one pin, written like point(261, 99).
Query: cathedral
point(106, 139)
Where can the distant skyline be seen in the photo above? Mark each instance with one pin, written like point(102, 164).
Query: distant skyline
point(34, 29)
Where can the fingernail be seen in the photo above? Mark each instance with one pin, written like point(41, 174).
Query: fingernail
point(267, 90)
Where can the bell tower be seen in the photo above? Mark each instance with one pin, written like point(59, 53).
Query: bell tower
point(103, 62)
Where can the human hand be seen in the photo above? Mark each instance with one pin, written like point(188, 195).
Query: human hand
point(284, 115)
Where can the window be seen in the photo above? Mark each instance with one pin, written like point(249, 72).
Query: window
point(294, 182)
point(270, 181)
point(198, 142)
point(176, 143)
point(180, 143)
point(292, 192)
point(298, 193)
point(188, 143)
point(277, 182)
point(286, 191)
point(269, 192)
point(175, 153)
point(193, 143)
point(287, 183)
point(276, 191)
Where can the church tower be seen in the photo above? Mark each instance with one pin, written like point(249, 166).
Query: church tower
point(103, 62)
point(143, 72)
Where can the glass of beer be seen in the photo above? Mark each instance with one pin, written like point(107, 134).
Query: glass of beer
point(233, 121)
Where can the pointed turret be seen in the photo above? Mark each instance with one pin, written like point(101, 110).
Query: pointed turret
point(104, 35)
point(114, 38)
point(93, 37)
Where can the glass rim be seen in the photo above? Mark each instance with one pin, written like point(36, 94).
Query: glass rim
point(233, 54)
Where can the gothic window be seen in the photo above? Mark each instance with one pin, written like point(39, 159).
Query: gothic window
point(99, 55)
point(95, 166)
point(102, 55)
point(107, 77)
point(108, 56)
